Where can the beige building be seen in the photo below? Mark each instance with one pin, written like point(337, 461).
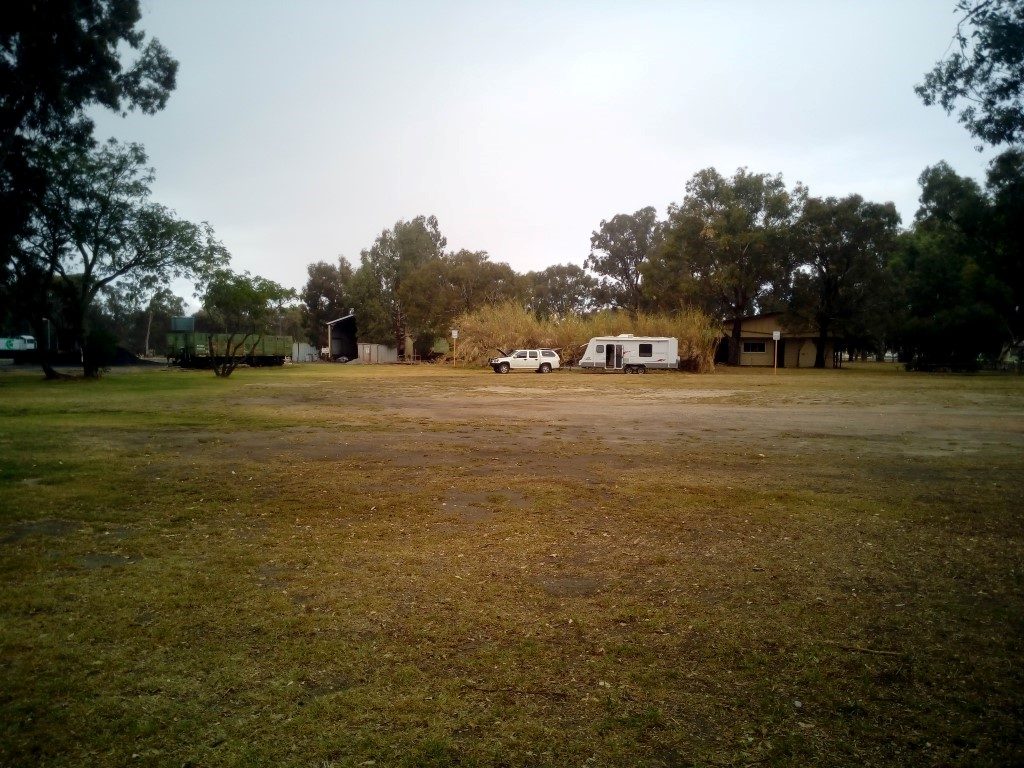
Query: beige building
point(758, 347)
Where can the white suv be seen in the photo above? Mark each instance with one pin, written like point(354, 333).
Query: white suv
point(539, 360)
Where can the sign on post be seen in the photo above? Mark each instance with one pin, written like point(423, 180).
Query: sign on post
point(776, 337)
point(455, 337)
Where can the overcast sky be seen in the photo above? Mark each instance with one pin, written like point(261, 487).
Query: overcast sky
point(301, 129)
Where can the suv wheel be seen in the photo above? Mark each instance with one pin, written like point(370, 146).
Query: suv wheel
point(545, 368)
point(502, 368)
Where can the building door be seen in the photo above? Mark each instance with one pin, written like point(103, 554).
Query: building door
point(613, 356)
point(782, 352)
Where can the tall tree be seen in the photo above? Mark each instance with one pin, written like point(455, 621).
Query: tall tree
point(982, 78)
point(962, 266)
point(618, 249)
point(384, 269)
point(843, 247)
point(726, 246)
point(441, 289)
point(560, 290)
point(58, 59)
point(1005, 259)
point(96, 227)
point(327, 295)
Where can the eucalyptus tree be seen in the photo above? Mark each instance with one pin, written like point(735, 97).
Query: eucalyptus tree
point(726, 247)
point(982, 77)
point(96, 229)
point(560, 290)
point(57, 61)
point(618, 250)
point(961, 267)
point(843, 247)
point(384, 269)
point(326, 296)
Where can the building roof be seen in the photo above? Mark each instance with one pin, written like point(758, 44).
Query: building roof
point(346, 317)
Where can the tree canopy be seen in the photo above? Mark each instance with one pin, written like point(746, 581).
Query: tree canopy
point(241, 306)
point(842, 246)
point(57, 59)
point(618, 249)
point(96, 227)
point(982, 78)
point(726, 245)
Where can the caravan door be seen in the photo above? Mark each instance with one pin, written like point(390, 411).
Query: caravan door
point(612, 356)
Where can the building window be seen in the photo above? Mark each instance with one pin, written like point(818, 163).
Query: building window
point(646, 350)
point(754, 346)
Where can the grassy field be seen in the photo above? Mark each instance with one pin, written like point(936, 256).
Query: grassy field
point(355, 566)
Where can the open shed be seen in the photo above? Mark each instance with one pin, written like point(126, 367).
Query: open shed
point(341, 338)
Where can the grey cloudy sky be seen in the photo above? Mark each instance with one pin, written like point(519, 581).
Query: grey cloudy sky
point(300, 130)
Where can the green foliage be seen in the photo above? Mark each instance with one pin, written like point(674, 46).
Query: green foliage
point(617, 251)
point(326, 296)
point(983, 78)
point(560, 290)
point(242, 306)
point(57, 60)
point(384, 270)
point(960, 268)
point(136, 319)
point(726, 246)
point(842, 247)
point(95, 229)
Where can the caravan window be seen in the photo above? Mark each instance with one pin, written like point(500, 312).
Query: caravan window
point(646, 350)
point(599, 348)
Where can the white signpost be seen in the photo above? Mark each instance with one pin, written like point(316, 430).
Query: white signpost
point(776, 337)
point(455, 338)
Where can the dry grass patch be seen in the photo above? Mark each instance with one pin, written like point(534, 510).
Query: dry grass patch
point(411, 567)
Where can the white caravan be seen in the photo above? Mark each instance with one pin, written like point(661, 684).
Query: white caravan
point(631, 354)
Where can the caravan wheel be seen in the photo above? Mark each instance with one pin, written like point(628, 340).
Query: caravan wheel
point(641, 369)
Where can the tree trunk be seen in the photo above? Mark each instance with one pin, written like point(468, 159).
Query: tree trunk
point(149, 327)
point(41, 330)
point(819, 353)
point(735, 345)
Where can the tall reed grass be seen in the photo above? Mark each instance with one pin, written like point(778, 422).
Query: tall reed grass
point(508, 326)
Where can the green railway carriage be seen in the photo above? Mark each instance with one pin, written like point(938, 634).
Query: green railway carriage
point(200, 350)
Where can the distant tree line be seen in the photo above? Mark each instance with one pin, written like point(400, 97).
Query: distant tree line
point(943, 292)
point(88, 257)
